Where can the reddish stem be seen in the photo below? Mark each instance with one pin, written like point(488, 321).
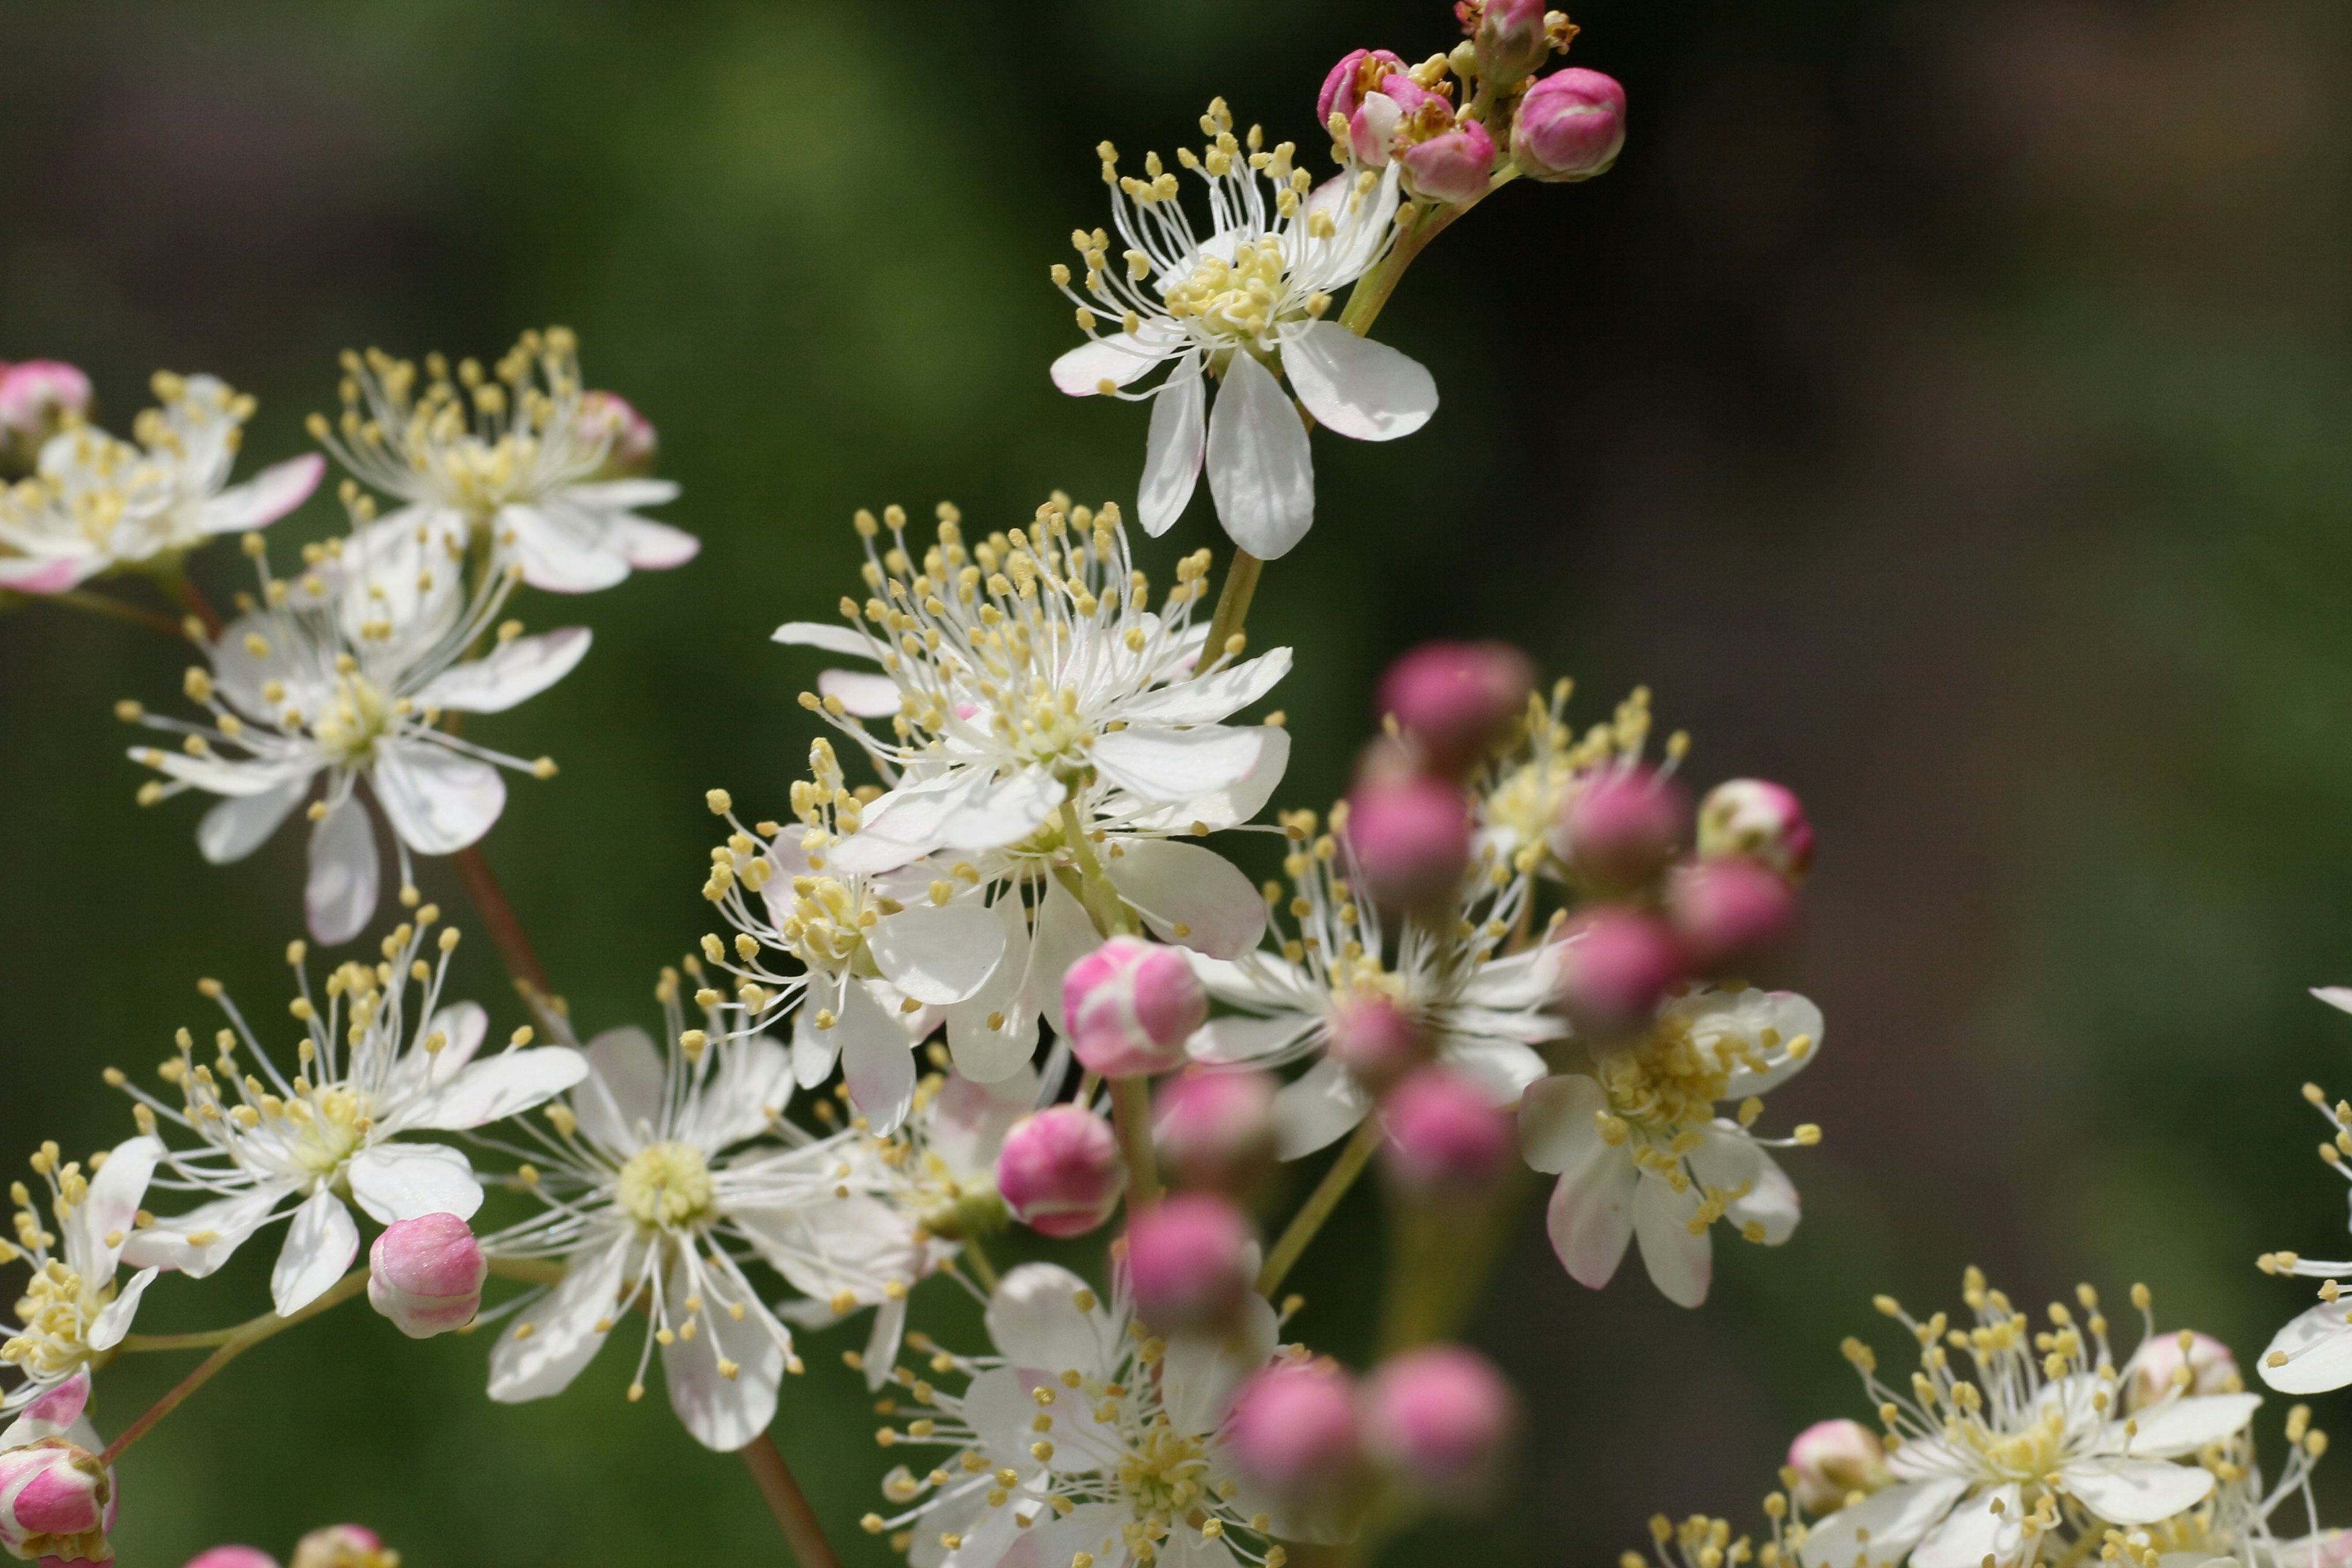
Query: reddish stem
point(787, 1503)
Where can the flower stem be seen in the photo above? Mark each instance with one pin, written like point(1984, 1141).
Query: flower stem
point(982, 1268)
point(506, 932)
point(1130, 1115)
point(785, 1499)
point(107, 604)
point(1320, 1204)
point(1232, 605)
point(192, 599)
point(240, 1339)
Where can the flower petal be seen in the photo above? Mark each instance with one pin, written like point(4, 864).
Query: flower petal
point(237, 827)
point(650, 546)
point(1173, 448)
point(1116, 357)
point(819, 635)
point(1558, 1127)
point(2317, 1346)
point(265, 498)
point(725, 1413)
point(1590, 1217)
point(407, 1181)
point(2136, 1492)
point(111, 1207)
point(1883, 1528)
point(937, 956)
point(1207, 698)
point(985, 1054)
point(862, 693)
point(1002, 810)
point(320, 1243)
point(557, 555)
point(545, 1347)
point(877, 1060)
point(1679, 1262)
point(620, 1102)
point(1357, 387)
point(113, 1319)
point(1036, 1322)
point(1170, 765)
point(1260, 470)
point(1063, 936)
point(1728, 1159)
point(438, 801)
point(750, 1088)
point(1229, 805)
point(1503, 1069)
point(1189, 894)
point(1319, 1107)
point(513, 671)
point(491, 1091)
point(339, 900)
point(225, 1221)
point(904, 824)
point(2186, 1424)
point(1202, 1372)
point(1989, 1527)
point(969, 1119)
point(856, 1245)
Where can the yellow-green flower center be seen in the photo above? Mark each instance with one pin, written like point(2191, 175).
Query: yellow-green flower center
point(666, 1186)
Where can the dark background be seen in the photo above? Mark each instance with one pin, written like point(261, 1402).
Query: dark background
point(1939, 406)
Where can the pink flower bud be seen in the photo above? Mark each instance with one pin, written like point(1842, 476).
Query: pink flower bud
point(1511, 41)
point(1615, 966)
point(1445, 1137)
point(1570, 126)
point(631, 442)
point(2161, 1363)
point(1726, 910)
point(1618, 831)
point(38, 397)
point(1191, 1263)
point(56, 1501)
point(1441, 1419)
point(1293, 1436)
point(1377, 1041)
point(1759, 820)
point(1359, 71)
point(427, 1274)
point(1455, 699)
point(233, 1557)
point(343, 1546)
point(1059, 1171)
point(1833, 1459)
point(1411, 841)
point(1132, 1005)
point(1452, 167)
point(1215, 1130)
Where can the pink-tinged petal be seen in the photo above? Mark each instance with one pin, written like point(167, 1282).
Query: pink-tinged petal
point(1590, 1217)
point(1357, 387)
point(265, 498)
point(652, 546)
point(1173, 448)
point(510, 672)
point(1260, 469)
point(1174, 765)
point(556, 558)
point(1680, 1263)
point(46, 574)
point(1190, 895)
point(340, 897)
point(439, 801)
point(320, 1242)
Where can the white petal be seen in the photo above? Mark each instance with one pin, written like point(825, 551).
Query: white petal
point(878, 1061)
point(814, 1050)
point(109, 1207)
point(1319, 1107)
point(1590, 1217)
point(985, 1054)
point(2136, 1492)
point(2187, 1423)
point(1171, 765)
point(1206, 698)
point(564, 1329)
point(862, 693)
point(817, 634)
point(937, 956)
point(237, 827)
point(1260, 470)
point(723, 1413)
point(1503, 1069)
point(491, 1091)
point(221, 776)
point(651, 546)
point(407, 1181)
point(969, 1119)
point(1680, 1264)
point(228, 1221)
point(320, 1243)
point(1004, 811)
point(853, 1244)
point(620, 495)
point(1241, 1039)
point(265, 498)
point(1750, 1016)
point(1190, 895)
point(1558, 1127)
point(2336, 997)
point(1986, 1527)
point(2318, 1348)
point(509, 673)
point(1036, 1322)
point(750, 1088)
point(1357, 387)
point(1728, 1158)
point(1201, 1373)
point(1882, 1528)
point(438, 801)
point(1229, 805)
point(1063, 936)
point(113, 1319)
point(340, 897)
point(556, 554)
point(1173, 448)
point(623, 1090)
point(1116, 357)
point(905, 823)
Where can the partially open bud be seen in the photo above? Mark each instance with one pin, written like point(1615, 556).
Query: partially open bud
point(1758, 820)
point(1132, 1005)
point(1411, 841)
point(1615, 967)
point(425, 1275)
point(1059, 1171)
point(1191, 1263)
point(1442, 1420)
point(2161, 1363)
point(344, 1546)
point(1455, 699)
point(1377, 1041)
point(38, 397)
point(1446, 1138)
point(1215, 1130)
point(1451, 166)
point(1510, 42)
point(1293, 1436)
point(233, 1557)
point(1833, 1460)
point(1727, 910)
point(1570, 126)
point(1619, 830)
point(1359, 71)
point(56, 1501)
point(609, 417)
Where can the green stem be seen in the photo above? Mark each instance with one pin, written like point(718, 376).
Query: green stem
point(1320, 1204)
point(1232, 606)
point(1104, 906)
point(1130, 1115)
point(982, 1268)
point(240, 1341)
point(107, 604)
point(184, 588)
point(787, 1503)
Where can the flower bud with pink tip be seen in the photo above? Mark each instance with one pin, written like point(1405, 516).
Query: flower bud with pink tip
point(1191, 1263)
point(1377, 1041)
point(56, 1501)
point(233, 1557)
point(632, 441)
point(1294, 1438)
point(1570, 126)
point(1132, 1005)
point(39, 397)
point(1454, 699)
point(1835, 1459)
point(1512, 38)
point(1411, 838)
point(1728, 910)
point(425, 1275)
point(1446, 1138)
point(1059, 1172)
point(1451, 166)
point(2195, 1364)
point(1615, 966)
point(1359, 71)
point(344, 1546)
point(1618, 832)
point(1442, 1420)
point(1215, 1130)
point(1759, 821)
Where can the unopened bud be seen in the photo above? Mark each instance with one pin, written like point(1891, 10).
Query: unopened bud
point(1619, 830)
point(1190, 1263)
point(1132, 1005)
point(1294, 1438)
point(1215, 1130)
point(1758, 820)
point(1377, 1041)
point(344, 1546)
point(1728, 909)
point(1510, 43)
point(1445, 1136)
point(232, 1557)
point(627, 436)
point(1451, 166)
point(2153, 1372)
point(1059, 1171)
point(56, 1501)
point(1411, 841)
point(1455, 699)
point(427, 1274)
point(1570, 126)
point(1615, 966)
point(1833, 1459)
point(1442, 1420)
point(38, 397)
point(1359, 71)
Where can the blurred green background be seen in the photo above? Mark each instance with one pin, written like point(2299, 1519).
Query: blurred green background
point(1942, 407)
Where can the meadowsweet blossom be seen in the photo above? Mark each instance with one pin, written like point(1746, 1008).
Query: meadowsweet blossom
point(1523, 789)
point(521, 460)
point(380, 1056)
point(72, 1313)
point(95, 502)
point(1642, 1151)
point(1483, 1011)
point(2313, 1354)
point(1240, 302)
point(342, 676)
point(1082, 1439)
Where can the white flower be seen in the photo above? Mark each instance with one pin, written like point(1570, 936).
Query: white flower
point(342, 675)
point(1984, 1466)
point(1485, 1013)
point(1641, 1151)
point(2313, 1354)
point(95, 502)
point(1030, 665)
point(515, 457)
point(658, 1193)
point(1240, 302)
point(1080, 1440)
point(381, 1058)
point(72, 1313)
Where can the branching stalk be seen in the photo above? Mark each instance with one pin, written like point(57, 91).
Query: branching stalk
point(1319, 1206)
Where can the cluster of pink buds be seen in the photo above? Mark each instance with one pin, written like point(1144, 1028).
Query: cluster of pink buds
point(1408, 820)
point(38, 397)
point(336, 1546)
